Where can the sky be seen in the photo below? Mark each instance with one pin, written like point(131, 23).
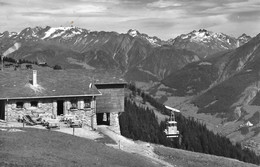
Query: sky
point(162, 18)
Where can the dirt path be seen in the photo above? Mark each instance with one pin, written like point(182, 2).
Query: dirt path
point(141, 148)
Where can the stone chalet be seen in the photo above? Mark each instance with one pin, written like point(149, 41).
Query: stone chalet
point(95, 96)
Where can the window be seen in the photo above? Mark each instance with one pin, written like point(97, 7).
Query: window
point(73, 104)
point(34, 103)
point(19, 104)
point(87, 103)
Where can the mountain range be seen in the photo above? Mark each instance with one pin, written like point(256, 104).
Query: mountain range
point(133, 53)
point(206, 43)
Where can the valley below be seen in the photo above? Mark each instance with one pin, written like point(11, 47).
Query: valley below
point(237, 130)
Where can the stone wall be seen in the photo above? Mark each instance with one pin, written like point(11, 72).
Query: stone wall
point(50, 106)
point(114, 122)
point(87, 116)
point(13, 113)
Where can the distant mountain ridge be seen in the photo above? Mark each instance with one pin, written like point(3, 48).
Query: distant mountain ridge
point(73, 47)
point(200, 36)
point(208, 73)
point(155, 41)
point(137, 55)
point(243, 39)
point(206, 43)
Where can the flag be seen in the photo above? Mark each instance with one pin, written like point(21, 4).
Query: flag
point(15, 47)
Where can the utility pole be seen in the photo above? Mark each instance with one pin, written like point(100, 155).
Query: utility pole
point(2, 58)
point(2, 61)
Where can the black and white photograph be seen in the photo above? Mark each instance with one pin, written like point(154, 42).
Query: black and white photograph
point(129, 83)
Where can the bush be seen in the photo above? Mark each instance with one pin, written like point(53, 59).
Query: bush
point(57, 67)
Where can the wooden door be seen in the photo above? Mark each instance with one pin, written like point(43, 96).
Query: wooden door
point(2, 109)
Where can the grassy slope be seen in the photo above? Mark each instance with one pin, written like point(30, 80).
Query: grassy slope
point(48, 148)
point(192, 159)
point(36, 147)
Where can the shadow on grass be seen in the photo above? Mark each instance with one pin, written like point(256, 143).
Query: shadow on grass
point(105, 140)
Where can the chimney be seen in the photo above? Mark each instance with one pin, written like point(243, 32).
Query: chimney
point(34, 78)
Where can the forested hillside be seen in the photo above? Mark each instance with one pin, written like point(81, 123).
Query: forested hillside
point(140, 123)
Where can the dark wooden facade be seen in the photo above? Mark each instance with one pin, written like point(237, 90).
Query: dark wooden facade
point(112, 99)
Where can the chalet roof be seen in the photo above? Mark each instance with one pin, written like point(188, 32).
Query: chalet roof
point(51, 83)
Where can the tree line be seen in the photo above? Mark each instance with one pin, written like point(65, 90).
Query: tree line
point(20, 61)
point(23, 61)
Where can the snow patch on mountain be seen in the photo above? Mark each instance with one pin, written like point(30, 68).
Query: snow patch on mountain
point(243, 39)
point(195, 58)
point(106, 41)
point(200, 36)
point(228, 42)
point(152, 41)
point(224, 47)
point(49, 32)
point(66, 36)
point(205, 63)
point(34, 34)
point(203, 42)
point(185, 36)
point(133, 33)
point(96, 41)
point(57, 34)
point(146, 71)
point(59, 31)
point(204, 36)
point(12, 34)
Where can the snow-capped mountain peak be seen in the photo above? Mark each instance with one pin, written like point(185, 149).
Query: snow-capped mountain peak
point(200, 35)
point(54, 32)
point(211, 42)
point(205, 36)
point(12, 34)
point(152, 40)
point(133, 32)
point(243, 39)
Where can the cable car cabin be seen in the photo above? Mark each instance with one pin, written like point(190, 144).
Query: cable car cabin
point(171, 129)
